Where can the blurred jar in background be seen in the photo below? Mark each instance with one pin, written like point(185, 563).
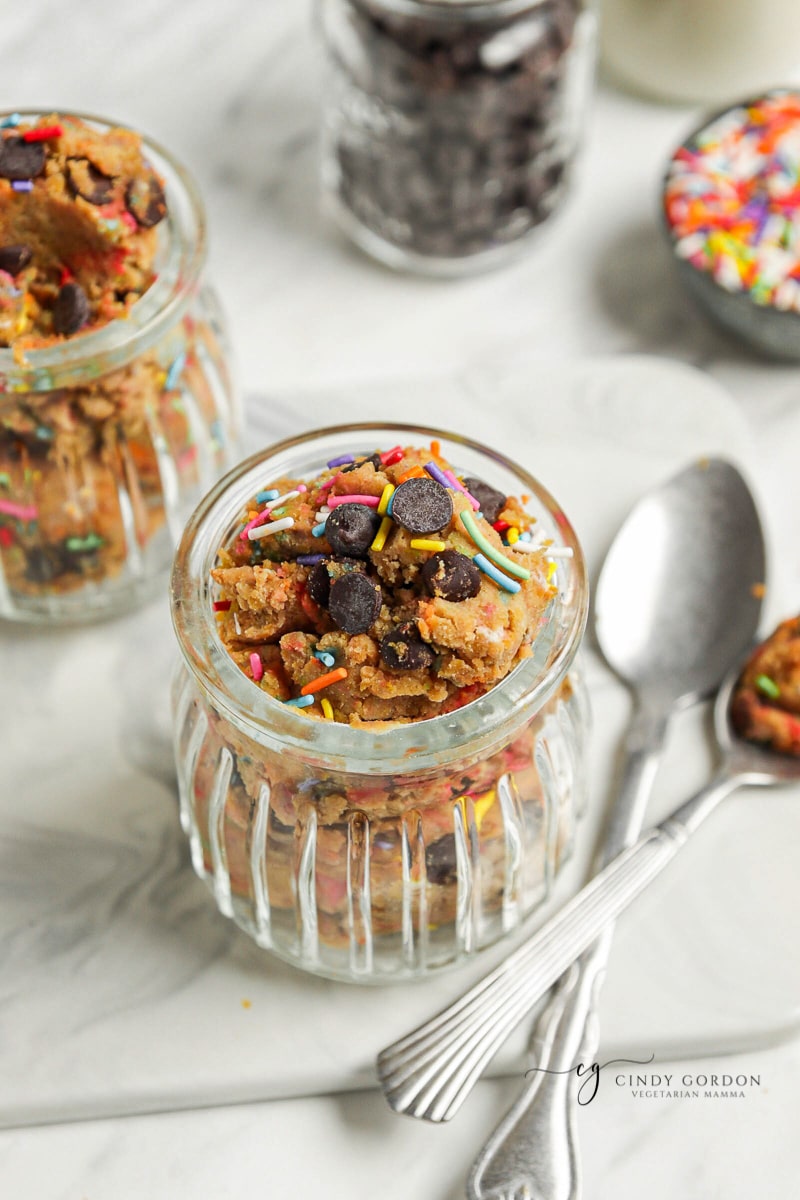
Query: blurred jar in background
point(706, 51)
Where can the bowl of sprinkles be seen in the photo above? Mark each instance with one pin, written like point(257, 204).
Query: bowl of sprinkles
point(377, 713)
point(732, 211)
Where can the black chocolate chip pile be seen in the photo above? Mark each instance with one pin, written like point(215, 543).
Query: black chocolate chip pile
point(351, 529)
point(474, 131)
point(451, 576)
point(404, 650)
point(354, 602)
point(21, 160)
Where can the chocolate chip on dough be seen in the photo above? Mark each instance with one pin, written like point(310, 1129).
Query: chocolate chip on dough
point(71, 309)
point(422, 506)
point(354, 602)
point(21, 160)
point(318, 584)
point(491, 501)
point(451, 576)
point(145, 200)
point(351, 529)
point(86, 180)
point(404, 650)
point(14, 259)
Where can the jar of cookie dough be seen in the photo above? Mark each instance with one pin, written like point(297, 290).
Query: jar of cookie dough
point(110, 429)
point(373, 850)
point(450, 127)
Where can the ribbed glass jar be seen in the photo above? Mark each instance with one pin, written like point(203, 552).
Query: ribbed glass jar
point(376, 856)
point(450, 126)
point(109, 439)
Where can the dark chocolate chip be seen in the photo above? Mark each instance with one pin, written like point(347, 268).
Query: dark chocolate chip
point(351, 529)
point(451, 576)
point(404, 650)
point(422, 506)
point(441, 865)
point(491, 501)
point(86, 180)
point(71, 309)
point(15, 258)
point(318, 584)
point(145, 200)
point(374, 459)
point(21, 160)
point(43, 565)
point(354, 602)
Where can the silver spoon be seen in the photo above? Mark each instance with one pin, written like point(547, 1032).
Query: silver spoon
point(688, 560)
point(653, 574)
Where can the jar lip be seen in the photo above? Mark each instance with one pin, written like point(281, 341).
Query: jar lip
point(158, 309)
point(455, 9)
point(402, 748)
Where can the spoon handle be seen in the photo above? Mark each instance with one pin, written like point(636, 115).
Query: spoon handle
point(430, 1072)
point(536, 1143)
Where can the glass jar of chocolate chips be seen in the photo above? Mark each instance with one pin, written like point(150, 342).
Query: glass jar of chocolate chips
point(450, 126)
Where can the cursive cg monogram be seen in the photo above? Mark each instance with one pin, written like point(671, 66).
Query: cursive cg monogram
point(592, 1073)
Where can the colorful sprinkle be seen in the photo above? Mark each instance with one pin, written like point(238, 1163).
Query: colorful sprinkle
point(316, 685)
point(341, 461)
point(265, 531)
point(318, 530)
point(6, 537)
point(509, 585)
point(380, 537)
point(355, 498)
point(175, 371)
point(768, 686)
point(386, 495)
point(427, 544)
point(82, 545)
point(22, 185)
point(732, 200)
point(491, 552)
point(257, 667)
point(269, 494)
point(221, 605)
point(22, 512)
point(327, 708)
point(390, 457)
point(551, 570)
point(10, 122)
point(44, 133)
point(300, 702)
point(438, 474)
point(310, 560)
point(326, 658)
point(458, 485)
point(512, 535)
point(412, 473)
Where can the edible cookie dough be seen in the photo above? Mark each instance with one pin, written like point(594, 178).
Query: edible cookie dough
point(766, 704)
point(78, 211)
point(384, 589)
point(82, 467)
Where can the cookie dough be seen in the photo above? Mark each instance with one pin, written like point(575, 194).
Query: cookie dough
point(377, 592)
point(766, 703)
point(82, 469)
point(78, 214)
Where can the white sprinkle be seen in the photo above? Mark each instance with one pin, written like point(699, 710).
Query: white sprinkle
point(281, 500)
point(538, 547)
point(264, 531)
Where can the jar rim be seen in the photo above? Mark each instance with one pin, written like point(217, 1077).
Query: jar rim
point(81, 359)
point(393, 748)
point(455, 9)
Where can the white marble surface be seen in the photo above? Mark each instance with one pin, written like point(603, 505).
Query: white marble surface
point(231, 88)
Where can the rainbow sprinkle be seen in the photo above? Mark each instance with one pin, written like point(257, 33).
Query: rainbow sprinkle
point(300, 702)
point(490, 551)
point(732, 200)
point(257, 667)
point(508, 585)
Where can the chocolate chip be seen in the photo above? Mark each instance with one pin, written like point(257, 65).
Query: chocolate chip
point(21, 160)
point(451, 576)
point(441, 865)
point(354, 602)
point(145, 200)
point(86, 180)
point(404, 650)
point(15, 258)
point(422, 506)
point(318, 584)
point(374, 459)
point(71, 309)
point(351, 529)
point(491, 501)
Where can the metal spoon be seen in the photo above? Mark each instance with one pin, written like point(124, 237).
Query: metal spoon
point(649, 580)
point(687, 560)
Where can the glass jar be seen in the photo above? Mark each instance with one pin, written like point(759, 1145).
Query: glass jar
point(450, 126)
point(365, 855)
point(109, 439)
